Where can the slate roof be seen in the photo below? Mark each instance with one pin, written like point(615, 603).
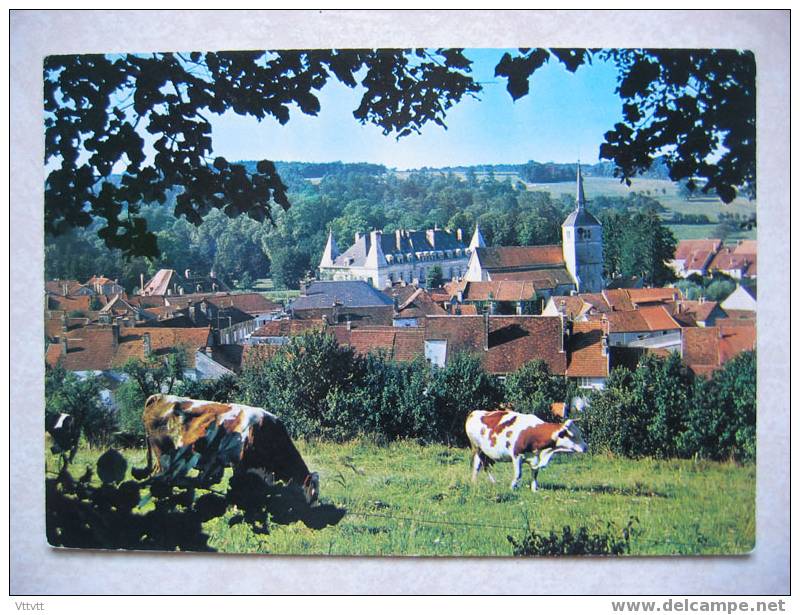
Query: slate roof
point(581, 217)
point(348, 294)
point(400, 242)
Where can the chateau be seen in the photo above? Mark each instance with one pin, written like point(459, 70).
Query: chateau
point(402, 256)
point(407, 256)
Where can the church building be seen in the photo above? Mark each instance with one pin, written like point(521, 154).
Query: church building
point(575, 265)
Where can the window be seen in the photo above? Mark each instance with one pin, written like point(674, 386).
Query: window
point(436, 352)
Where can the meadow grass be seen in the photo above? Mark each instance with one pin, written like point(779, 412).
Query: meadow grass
point(408, 499)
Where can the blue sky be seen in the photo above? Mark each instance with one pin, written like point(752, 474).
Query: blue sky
point(562, 119)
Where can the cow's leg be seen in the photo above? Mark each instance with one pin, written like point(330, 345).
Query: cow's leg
point(534, 474)
point(476, 465)
point(517, 463)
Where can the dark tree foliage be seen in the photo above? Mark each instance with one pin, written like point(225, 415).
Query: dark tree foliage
point(125, 130)
point(687, 106)
point(97, 109)
point(580, 541)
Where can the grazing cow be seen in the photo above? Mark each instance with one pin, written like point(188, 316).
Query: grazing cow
point(171, 422)
point(503, 435)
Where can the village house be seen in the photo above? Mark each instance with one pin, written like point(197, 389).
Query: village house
point(67, 288)
point(738, 262)
point(104, 286)
point(693, 256)
point(707, 349)
point(104, 350)
point(352, 301)
point(383, 259)
point(741, 303)
point(412, 304)
point(168, 282)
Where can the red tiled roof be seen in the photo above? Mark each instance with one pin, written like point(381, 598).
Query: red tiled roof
point(686, 246)
point(286, 327)
point(700, 311)
point(542, 278)
point(252, 303)
point(653, 295)
point(62, 287)
point(586, 358)
point(746, 246)
point(516, 340)
point(728, 260)
point(409, 343)
point(520, 257)
point(512, 340)
point(658, 318)
point(93, 348)
point(80, 303)
point(572, 306)
point(500, 290)
point(706, 349)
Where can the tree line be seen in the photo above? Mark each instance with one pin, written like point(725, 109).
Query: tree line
point(351, 199)
point(323, 390)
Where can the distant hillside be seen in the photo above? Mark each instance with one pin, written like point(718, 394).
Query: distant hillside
point(551, 172)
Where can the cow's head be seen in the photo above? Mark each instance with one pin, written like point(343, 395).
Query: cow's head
point(311, 487)
point(569, 438)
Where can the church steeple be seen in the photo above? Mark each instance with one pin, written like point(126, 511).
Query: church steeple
point(580, 197)
point(477, 239)
point(330, 253)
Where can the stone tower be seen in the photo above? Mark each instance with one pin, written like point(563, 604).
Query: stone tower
point(582, 242)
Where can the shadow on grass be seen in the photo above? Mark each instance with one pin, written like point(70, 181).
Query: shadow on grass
point(283, 505)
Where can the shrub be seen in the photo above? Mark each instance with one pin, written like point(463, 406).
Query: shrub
point(66, 393)
point(576, 542)
point(722, 422)
point(532, 389)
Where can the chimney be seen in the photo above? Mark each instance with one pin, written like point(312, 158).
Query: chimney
point(115, 334)
point(358, 237)
point(460, 235)
point(64, 345)
point(604, 344)
point(141, 281)
point(64, 322)
point(486, 331)
point(349, 325)
point(187, 274)
point(398, 239)
point(303, 288)
point(148, 348)
point(563, 333)
point(431, 236)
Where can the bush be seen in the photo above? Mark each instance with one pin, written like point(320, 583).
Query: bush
point(532, 389)
point(722, 422)
point(642, 413)
point(80, 398)
point(580, 542)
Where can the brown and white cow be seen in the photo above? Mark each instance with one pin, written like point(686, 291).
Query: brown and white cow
point(171, 422)
point(503, 435)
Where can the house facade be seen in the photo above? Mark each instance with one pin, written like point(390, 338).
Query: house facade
point(382, 259)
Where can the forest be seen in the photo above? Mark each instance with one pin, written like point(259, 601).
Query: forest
point(350, 198)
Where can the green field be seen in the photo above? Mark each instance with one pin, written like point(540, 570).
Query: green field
point(707, 231)
point(664, 191)
point(407, 499)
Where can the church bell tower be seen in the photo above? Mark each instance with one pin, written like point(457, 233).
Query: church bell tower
point(582, 243)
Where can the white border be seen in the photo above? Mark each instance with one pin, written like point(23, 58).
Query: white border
point(38, 569)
